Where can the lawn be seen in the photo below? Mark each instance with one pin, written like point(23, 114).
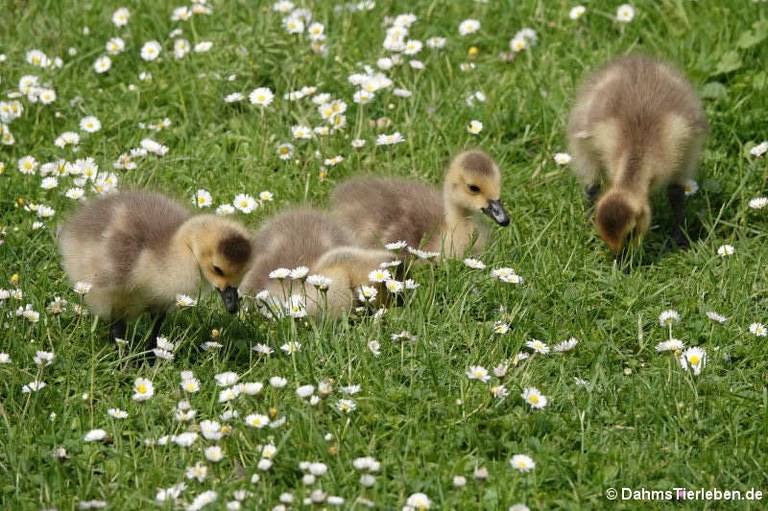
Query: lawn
point(427, 404)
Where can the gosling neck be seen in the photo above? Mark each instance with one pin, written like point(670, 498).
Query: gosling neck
point(459, 226)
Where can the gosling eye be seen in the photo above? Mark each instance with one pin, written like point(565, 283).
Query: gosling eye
point(218, 271)
point(473, 188)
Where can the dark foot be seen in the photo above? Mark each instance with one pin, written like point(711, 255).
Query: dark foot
point(151, 344)
point(621, 259)
point(591, 192)
point(117, 330)
point(676, 196)
point(678, 236)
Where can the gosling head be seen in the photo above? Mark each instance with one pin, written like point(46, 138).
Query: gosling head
point(223, 251)
point(620, 217)
point(473, 183)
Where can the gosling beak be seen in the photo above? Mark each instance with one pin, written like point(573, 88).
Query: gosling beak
point(231, 300)
point(496, 211)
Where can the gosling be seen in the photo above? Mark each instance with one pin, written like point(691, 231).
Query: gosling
point(381, 211)
point(638, 125)
point(304, 237)
point(139, 250)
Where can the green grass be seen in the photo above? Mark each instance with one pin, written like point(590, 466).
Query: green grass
point(642, 422)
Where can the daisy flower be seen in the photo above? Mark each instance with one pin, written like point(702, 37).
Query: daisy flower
point(90, 124)
point(234, 97)
point(346, 405)
point(475, 264)
point(499, 391)
point(566, 345)
point(293, 25)
point(758, 329)
point(394, 286)
point(625, 13)
point(537, 346)
point(379, 275)
point(695, 358)
point(417, 502)
point(117, 413)
point(469, 26)
point(522, 462)
point(256, 420)
point(760, 149)
point(203, 199)
point(299, 273)
point(245, 203)
point(319, 281)
point(43, 358)
point(669, 318)
point(301, 132)
point(436, 43)
point(143, 389)
point(296, 308)
point(67, 138)
point(670, 345)
point(394, 138)
point(374, 347)
point(534, 397)
point(285, 151)
point(577, 12)
point(518, 44)
point(725, 250)
point(198, 472)
point(291, 347)
point(37, 58)
point(714, 316)
point(121, 16)
point(690, 187)
point(95, 435)
point(150, 51)
point(502, 273)
point(81, 287)
point(261, 96)
point(214, 453)
point(226, 379)
point(102, 64)
point(203, 46)
point(115, 45)
point(396, 245)
point(367, 293)
point(225, 209)
point(181, 48)
point(280, 273)
point(28, 165)
point(33, 386)
point(500, 328)
point(758, 203)
point(562, 158)
point(190, 385)
point(423, 254)
point(49, 183)
point(479, 373)
point(475, 127)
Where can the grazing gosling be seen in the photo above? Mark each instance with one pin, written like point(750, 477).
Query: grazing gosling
point(139, 250)
point(638, 124)
point(313, 239)
point(381, 211)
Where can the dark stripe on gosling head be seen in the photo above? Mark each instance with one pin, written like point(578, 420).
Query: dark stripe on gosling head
point(478, 163)
point(235, 248)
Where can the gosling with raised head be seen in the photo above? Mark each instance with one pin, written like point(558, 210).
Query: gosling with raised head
point(308, 238)
point(638, 125)
point(139, 250)
point(380, 210)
